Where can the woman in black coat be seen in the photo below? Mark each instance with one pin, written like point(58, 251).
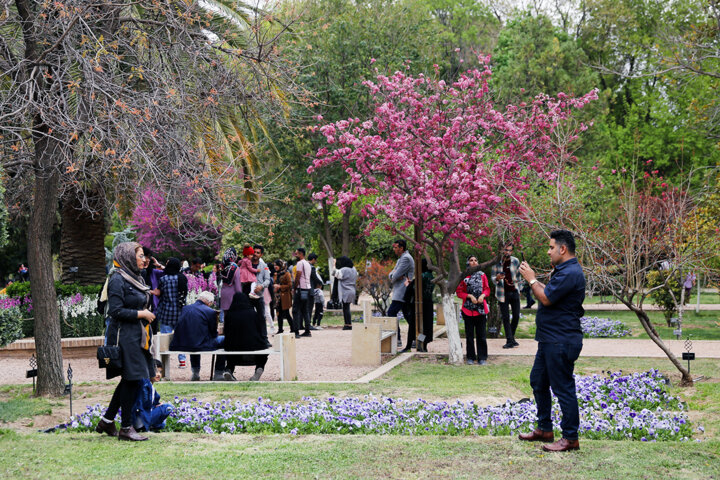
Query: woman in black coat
point(242, 334)
point(129, 327)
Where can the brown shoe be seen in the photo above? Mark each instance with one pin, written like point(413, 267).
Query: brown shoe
point(537, 436)
point(562, 445)
point(107, 427)
point(130, 434)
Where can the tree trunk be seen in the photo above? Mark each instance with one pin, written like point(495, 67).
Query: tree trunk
point(345, 249)
point(455, 353)
point(82, 243)
point(42, 287)
point(686, 380)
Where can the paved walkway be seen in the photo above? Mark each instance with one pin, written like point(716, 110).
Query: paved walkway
point(325, 357)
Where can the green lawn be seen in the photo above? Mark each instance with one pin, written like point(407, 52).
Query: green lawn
point(188, 456)
point(705, 298)
point(702, 326)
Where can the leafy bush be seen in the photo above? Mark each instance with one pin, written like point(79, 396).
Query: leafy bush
point(662, 296)
point(11, 321)
point(22, 289)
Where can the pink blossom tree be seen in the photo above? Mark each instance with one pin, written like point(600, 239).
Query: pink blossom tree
point(440, 161)
point(165, 230)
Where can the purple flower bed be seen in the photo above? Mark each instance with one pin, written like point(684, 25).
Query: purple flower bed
point(596, 327)
point(616, 406)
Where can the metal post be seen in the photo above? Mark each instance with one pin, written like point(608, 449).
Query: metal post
point(68, 387)
point(687, 354)
point(32, 373)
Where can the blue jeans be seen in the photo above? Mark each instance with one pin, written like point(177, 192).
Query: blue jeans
point(168, 329)
point(218, 343)
point(157, 418)
point(553, 368)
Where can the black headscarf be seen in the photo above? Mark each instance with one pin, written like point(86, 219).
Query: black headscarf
point(172, 267)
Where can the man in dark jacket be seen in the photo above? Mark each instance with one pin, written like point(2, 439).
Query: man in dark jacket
point(196, 331)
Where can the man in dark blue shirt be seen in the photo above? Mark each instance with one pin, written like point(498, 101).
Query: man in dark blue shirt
point(559, 338)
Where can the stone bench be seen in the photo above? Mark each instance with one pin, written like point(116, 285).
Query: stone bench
point(377, 335)
point(283, 346)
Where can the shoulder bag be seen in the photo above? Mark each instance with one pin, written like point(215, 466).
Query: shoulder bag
point(109, 356)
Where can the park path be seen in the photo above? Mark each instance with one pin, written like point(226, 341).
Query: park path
point(325, 357)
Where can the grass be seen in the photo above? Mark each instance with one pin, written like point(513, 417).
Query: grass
point(17, 402)
point(705, 298)
point(181, 456)
point(185, 456)
point(702, 326)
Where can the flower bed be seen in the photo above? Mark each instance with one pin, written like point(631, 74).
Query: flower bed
point(596, 327)
point(615, 406)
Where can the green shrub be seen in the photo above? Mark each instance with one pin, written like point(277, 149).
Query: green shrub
point(91, 325)
point(18, 290)
point(22, 289)
point(11, 321)
point(662, 296)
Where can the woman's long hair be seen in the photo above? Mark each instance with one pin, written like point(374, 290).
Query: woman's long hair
point(343, 262)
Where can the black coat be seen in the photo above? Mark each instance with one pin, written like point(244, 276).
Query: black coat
point(124, 301)
point(196, 329)
point(241, 331)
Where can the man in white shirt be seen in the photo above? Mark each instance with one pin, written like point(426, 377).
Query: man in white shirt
point(303, 293)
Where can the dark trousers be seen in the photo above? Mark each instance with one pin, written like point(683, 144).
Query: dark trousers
point(512, 300)
point(392, 311)
point(219, 360)
point(301, 310)
point(318, 313)
point(553, 368)
point(285, 314)
point(428, 317)
point(123, 398)
point(346, 313)
point(476, 333)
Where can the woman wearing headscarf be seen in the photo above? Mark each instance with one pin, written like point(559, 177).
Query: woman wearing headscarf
point(129, 328)
point(345, 272)
point(242, 334)
point(172, 290)
point(474, 290)
point(230, 276)
point(283, 296)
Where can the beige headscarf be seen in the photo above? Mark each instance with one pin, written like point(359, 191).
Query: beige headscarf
point(126, 264)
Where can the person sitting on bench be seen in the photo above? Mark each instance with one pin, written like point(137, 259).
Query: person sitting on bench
point(197, 331)
point(242, 334)
point(148, 413)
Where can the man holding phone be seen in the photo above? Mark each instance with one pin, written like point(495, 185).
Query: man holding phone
point(559, 338)
point(506, 276)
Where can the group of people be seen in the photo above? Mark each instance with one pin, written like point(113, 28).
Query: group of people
point(243, 303)
point(143, 297)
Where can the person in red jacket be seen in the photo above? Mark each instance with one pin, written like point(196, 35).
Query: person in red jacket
point(473, 290)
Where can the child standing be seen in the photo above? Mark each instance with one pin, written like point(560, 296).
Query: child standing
point(248, 274)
